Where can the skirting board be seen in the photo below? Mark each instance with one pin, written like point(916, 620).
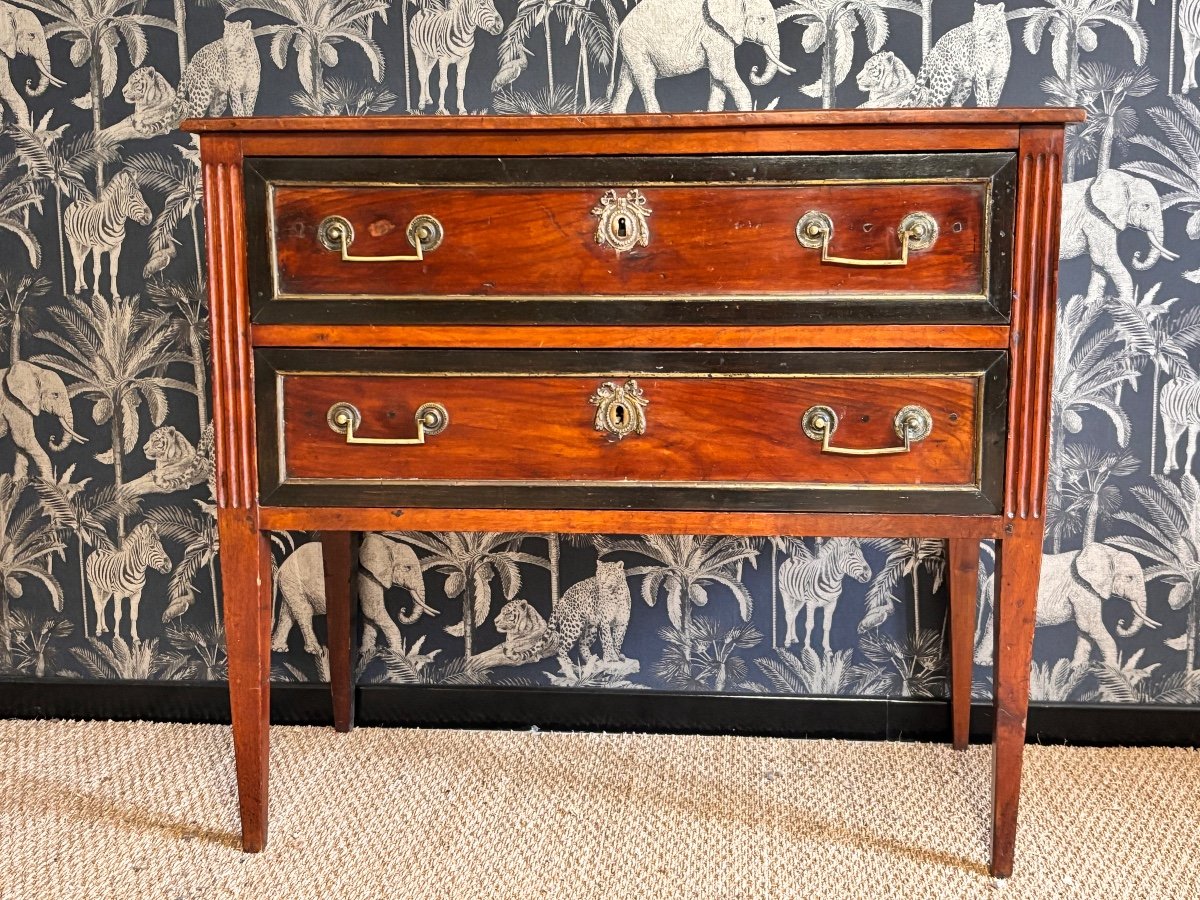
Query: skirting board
point(860, 718)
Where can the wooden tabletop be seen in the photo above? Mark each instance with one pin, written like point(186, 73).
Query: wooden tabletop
point(945, 117)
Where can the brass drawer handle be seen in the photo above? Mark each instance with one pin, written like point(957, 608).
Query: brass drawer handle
point(344, 418)
point(917, 231)
point(912, 423)
point(620, 409)
point(424, 233)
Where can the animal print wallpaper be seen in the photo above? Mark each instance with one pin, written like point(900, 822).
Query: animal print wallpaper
point(109, 556)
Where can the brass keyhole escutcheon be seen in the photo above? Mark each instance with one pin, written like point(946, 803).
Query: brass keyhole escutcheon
point(620, 409)
point(622, 222)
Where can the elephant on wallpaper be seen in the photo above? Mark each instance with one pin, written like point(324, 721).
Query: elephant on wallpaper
point(1094, 212)
point(21, 32)
point(383, 564)
point(26, 392)
point(1076, 584)
point(664, 38)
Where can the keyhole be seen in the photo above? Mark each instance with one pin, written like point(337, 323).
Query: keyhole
point(622, 228)
point(619, 414)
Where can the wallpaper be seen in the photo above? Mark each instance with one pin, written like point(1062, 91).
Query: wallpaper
point(109, 556)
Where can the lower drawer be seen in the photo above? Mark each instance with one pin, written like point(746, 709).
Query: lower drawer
point(762, 430)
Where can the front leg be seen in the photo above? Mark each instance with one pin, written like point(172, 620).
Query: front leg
point(246, 572)
point(1018, 568)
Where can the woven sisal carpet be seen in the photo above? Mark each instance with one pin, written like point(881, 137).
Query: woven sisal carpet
point(135, 810)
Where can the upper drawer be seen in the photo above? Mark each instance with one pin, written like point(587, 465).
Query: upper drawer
point(780, 239)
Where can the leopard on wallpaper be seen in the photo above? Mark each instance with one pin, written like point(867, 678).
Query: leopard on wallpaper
point(109, 556)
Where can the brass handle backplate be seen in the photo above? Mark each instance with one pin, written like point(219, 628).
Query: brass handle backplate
point(344, 418)
point(620, 409)
point(912, 424)
point(424, 233)
point(917, 231)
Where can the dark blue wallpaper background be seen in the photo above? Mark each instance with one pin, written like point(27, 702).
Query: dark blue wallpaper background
point(112, 461)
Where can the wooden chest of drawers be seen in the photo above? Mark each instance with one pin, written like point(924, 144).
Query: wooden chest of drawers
point(835, 323)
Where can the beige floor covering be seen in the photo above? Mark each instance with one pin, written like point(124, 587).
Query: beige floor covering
point(138, 810)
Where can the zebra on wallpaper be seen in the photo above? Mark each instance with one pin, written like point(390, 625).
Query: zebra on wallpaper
point(445, 37)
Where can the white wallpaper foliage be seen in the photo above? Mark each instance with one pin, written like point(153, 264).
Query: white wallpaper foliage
point(108, 548)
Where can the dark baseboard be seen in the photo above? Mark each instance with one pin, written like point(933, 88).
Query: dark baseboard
point(855, 718)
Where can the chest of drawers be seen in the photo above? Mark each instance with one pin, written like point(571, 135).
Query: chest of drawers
point(834, 323)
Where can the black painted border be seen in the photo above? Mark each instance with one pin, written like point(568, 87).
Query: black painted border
point(851, 718)
point(998, 167)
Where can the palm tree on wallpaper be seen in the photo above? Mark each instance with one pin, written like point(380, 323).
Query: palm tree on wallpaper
point(1087, 473)
point(706, 656)
point(470, 563)
point(63, 163)
point(923, 9)
point(1105, 92)
point(1151, 336)
point(1072, 26)
point(132, 661)
point(906, 557)
point(315, 28)
point(1131, 683)
point(810, 673)
point(683, 568)
point(34, 641)
point(206, 645)
point(1169, 526)
point(17, 314)
point(185, 306)
point(197, 534)
point(27, 543)
point(1089, 369)
point(829, 26)
point(595, 32)
point(84, 514)
point(1179, 150)
point(118, 357)
point(19, 195)
point(178, 180)
point(96, 29)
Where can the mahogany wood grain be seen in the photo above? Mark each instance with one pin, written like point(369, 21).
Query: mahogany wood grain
point(1018, 567)
point(246, 576)
point(246, 565)
point(725, 124)
point(632, 521)
point(522, 241)
point(338, 555)
point(527, 428)
point(1035, 299)
point(845, 138)
point(964, 586)
point(867, 337)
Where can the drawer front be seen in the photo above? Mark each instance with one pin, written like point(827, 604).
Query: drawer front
point(851, 238)
point(616, 429)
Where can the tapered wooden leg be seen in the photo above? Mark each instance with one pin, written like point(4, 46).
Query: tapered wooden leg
point(964, 587)
point(246, 574)
point(1018, 567)
point(338, 553)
